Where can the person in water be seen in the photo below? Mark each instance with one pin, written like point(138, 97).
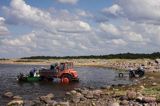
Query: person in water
point(32, 72)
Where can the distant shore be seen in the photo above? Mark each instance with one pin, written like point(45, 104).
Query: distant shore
point(120, 64)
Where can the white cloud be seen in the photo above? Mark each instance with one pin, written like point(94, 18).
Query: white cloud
point(119, 42)
point(24, 14)
point(109, 28)
point(114, 10)
point(21, 41)
point(63, 32)
point(68, 1)
point(145, 11)
point(83, 13)
point(3, 29)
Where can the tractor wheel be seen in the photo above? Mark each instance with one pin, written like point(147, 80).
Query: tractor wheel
point(66, 79)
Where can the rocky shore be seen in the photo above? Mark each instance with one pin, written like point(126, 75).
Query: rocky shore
point(122, 95)
point(120, 64)
point(144, 92)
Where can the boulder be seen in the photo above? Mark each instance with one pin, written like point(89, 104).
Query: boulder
point(45, 99)
point(73, 92)
point(113, 104)
point(89, 95)
point(50, 96)
point(131, 95)
point(16, 103)
point(154, 84)
point(8, 94)
point(17, 97)
point(106, 87)
point(149, 99)
point(62, 104)
point(77, 97)
point(97, 92)
point(157, 61)
point(123, 97)
point(139, 98)
point(142, 87)
point(84, 92)
point(124, 103)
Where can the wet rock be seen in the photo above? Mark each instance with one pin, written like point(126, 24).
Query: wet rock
point(50, 96)
point(68, 94)
point(149, 99)
point(83, 99)
point(151, 78)
point(142, 87)
point(113, 104)
point(77, 97)
point(78, 89)
point(8, 94)
point(73, 92)
point(47, 99)
point(17, 97)
point(131, 95)
point(139, 98)
point(157, 61)
point(106, 87)
point(154, 84)
point(16, 103)
point(84, 92)
point(89, 95)
point(123, 97)
point(97, 92)
point(124, 103)
point(62, 104)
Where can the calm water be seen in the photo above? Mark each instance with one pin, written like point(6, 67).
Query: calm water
point(89, 76)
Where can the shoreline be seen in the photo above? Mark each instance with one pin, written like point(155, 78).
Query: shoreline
point(117, 64)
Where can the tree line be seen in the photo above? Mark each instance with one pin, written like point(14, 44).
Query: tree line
point(110, 56)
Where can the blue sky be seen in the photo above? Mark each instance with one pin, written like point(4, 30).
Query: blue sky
point(85, 4)
point(78, 27)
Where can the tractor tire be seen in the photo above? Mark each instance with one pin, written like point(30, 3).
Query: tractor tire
point(66, 78)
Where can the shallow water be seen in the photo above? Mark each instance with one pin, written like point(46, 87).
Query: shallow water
point(89, 76)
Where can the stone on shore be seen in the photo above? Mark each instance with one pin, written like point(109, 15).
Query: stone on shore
point(62, 104)
point(8, 94)
point(16, 103)
point(17, 97)
point(48, 99)
point(131, 95)
point(149, 99)
point(113, 104)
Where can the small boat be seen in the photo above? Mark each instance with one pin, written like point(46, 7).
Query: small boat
point(22, 78)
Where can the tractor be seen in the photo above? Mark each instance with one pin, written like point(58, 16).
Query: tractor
point(63, 71)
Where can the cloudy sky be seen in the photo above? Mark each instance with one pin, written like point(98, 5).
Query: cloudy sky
point(78, 27)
